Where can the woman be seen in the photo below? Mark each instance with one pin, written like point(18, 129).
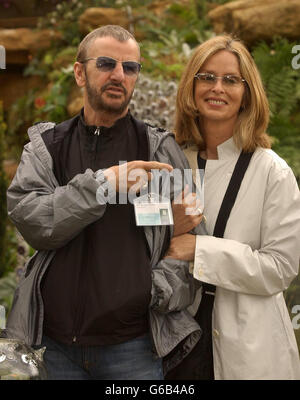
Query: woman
point(222, 109)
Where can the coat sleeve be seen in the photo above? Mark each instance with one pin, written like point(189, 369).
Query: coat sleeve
point(47, 216)
point(173, 287)
point(265, 271)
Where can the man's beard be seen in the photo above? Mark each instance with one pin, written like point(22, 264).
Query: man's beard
point(97, 102)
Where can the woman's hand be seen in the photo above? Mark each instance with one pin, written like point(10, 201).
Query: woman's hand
point(186, 212)
point(182, 247)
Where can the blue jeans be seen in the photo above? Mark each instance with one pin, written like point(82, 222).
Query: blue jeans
point(125, 361)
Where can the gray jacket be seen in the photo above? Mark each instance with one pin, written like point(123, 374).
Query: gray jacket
point(49, 216)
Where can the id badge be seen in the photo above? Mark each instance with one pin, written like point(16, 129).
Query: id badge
point(151, 210)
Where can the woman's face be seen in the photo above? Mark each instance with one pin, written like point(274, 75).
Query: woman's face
point(219, 101)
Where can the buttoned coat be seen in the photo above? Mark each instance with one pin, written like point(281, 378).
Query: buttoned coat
point(252, 265)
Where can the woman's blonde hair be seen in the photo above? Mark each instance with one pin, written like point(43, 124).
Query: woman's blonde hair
point(253, 119)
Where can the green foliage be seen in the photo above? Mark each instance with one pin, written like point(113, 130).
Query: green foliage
point(169, 39)
point(7, 239)
point(292, 298)
point(11, 248)
point(64, 19)
point(292, 294)
point(7, 287)
point(49, 104)
point(3, 188)
point(282, 84)
point(165, 51)
point(20, 117)
point(56, 99)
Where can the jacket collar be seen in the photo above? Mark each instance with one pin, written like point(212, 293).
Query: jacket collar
point(228, 149)
point(92, 129)
point(34, 134)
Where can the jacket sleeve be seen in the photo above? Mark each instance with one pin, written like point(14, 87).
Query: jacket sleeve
point(173, 287)
point(265, 271)
point(47, 216)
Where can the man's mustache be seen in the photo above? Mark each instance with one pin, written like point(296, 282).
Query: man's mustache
point(113, 85)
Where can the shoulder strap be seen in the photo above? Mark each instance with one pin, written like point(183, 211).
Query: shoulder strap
point(228, 202)
point(231, 193)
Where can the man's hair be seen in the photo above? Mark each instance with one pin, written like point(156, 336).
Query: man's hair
point(115, 31)
point(253, 118)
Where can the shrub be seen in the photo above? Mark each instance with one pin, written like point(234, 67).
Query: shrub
point(3, 188)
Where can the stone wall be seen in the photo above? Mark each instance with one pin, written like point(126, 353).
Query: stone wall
point(254, 20)
point(20, 45)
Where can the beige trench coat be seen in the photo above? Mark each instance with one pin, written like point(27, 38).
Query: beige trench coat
point(253, 336)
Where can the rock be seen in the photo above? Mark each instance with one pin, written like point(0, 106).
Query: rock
point(12, 23)
point(21, 39)
point(95, 17)
point(128, 17)
point(253, 20)
point(159, 7)
point(14, 85)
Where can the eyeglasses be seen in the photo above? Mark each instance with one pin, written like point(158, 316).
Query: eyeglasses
point(105, 64)
point(227, 80)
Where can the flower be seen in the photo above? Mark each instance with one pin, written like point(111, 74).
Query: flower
point(39, 102)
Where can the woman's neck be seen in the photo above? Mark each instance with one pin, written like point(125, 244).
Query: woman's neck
point(214, 133)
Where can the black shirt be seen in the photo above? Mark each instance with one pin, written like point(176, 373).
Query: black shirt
point(201, 161)
point(98, 287)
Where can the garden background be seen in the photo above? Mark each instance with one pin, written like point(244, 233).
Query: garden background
point(40, 40)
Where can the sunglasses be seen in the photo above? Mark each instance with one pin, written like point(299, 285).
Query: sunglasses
point(106, 64)
point(227, 80)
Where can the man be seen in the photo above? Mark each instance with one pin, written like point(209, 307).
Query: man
point(96, 293)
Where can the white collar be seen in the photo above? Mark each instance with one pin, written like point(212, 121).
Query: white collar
point(228, 149)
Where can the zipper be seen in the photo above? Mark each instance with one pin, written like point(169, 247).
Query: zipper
point(81, 300)
point(80, 305)
point(97, 131)
point(43, 266)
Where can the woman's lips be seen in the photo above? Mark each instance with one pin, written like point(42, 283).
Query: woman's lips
point(216, 102)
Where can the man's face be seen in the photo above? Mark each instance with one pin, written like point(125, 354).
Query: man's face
point(110, 91)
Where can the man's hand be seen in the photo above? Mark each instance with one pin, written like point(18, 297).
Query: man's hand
point(186, 212)
point(122, 177)
point(182, 247)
